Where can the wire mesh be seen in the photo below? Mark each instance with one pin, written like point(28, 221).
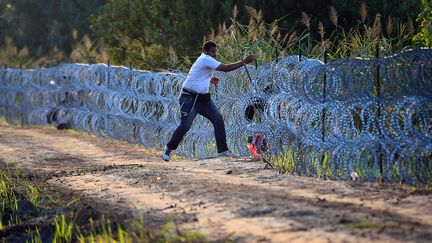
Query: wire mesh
point(377, 135)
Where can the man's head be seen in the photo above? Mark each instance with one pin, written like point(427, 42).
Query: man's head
point(210, 48)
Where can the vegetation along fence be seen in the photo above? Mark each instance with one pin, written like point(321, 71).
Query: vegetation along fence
point(366, 118)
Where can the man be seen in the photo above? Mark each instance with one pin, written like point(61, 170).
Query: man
point(195, 99)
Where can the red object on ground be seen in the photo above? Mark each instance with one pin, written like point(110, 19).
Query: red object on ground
point(254, 146)
point(253, 150)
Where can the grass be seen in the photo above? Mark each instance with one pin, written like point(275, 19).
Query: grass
point(369, 225)
point(9, 210)
point(302, 161)
point(267, 41)
point(35, 236)
point(285, 162)
point(136, 231)
point(3, 121)
point(63, 229)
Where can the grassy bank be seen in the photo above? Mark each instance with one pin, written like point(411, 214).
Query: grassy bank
point(32, 213)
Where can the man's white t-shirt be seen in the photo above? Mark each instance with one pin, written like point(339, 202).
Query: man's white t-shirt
point(200, 74)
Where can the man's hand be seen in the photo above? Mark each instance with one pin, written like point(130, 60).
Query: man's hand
point(249, 59)
point(214, 80)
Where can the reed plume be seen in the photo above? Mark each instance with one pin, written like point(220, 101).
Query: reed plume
point(334, 16)
point(253, 13)
point(389, 26)
point(292, 39)
point(410, 26)
point(363, 12)
point(321, 30)
point(305, 20)
point(376, 29)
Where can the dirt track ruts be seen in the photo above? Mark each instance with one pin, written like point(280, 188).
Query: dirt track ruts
point(226, 200)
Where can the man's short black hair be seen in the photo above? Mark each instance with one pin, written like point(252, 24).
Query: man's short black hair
point(207, 45)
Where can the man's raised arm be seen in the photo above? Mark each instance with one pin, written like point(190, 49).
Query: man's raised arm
point(233, 66)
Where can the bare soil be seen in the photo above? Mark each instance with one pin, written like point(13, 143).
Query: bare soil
point(225, 199)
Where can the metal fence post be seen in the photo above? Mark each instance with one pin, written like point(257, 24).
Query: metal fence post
point(324, 95)
point(108, 73)
point(378, 94)
point(323, 101)
point(22, 99)
point(299, 50)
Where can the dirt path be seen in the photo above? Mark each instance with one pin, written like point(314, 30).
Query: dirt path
point(226, 200)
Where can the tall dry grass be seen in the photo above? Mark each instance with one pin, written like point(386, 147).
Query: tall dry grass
point(85, 50)
point(268, 41)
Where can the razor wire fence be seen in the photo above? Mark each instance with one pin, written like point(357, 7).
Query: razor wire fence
point(371, 117)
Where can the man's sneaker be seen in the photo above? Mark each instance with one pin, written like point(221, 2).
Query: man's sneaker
point(227, 153)
point(166, 154)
